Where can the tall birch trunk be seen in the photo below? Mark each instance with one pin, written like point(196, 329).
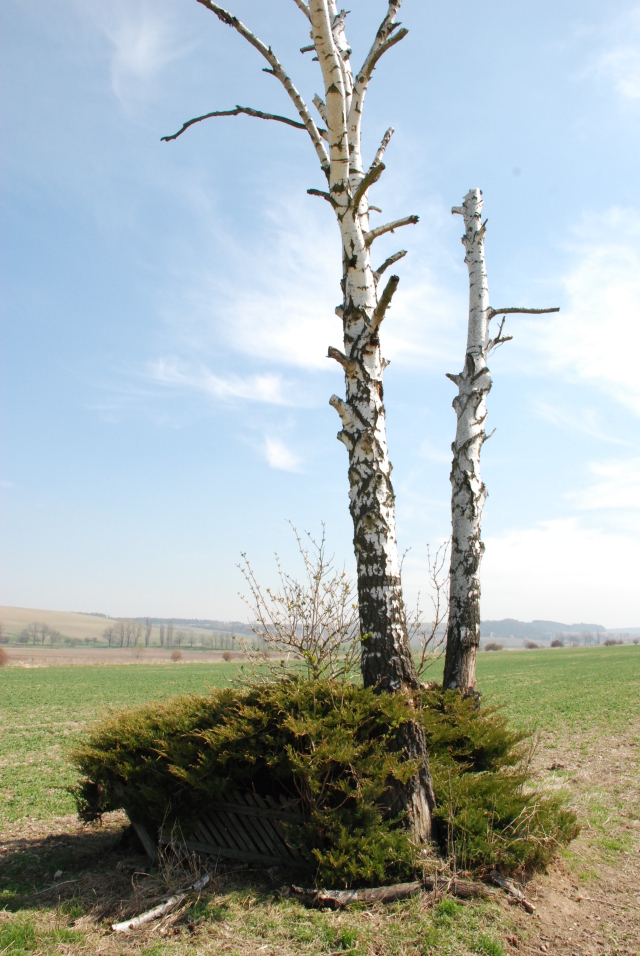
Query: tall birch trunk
point(468, 492)
point(387, 664)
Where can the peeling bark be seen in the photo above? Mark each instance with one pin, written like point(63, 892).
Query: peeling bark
point(387, 664)
point(386, 659)
point(468, 493)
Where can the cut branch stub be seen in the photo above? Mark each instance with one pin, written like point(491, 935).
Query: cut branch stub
point(388, 262)
point(389, 227)
point(384, 303)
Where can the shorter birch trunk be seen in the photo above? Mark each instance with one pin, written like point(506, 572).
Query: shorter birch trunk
point(468, 492)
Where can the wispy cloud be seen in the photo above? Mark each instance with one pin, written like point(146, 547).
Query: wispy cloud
point(279, 456)
point(273, 297)
point(561, 570)
point(143, 43)
point(619, 62)
point(616, 486)
point(622, 65)
point(256, 388)
point(586, 421)
point(596, 336)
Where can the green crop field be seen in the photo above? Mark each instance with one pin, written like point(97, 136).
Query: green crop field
point(42, 710)
point(585, 702)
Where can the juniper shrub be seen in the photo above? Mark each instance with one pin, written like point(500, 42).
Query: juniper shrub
point(327, 744)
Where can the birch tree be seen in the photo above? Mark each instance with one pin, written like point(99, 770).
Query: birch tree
point(469, 493)
point(386, 659)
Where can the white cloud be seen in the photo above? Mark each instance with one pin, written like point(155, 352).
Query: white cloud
point(596, 336)
point(561, 570)
point(620, 62)
point(257, 388)
point(279, 456)
point(273, 297)
point(617, 486)
point(587, 421)
point(143, 43)
point(622, 65)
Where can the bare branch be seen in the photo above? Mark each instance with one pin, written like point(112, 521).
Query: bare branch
point(327, 196)
point(384, 303)
point(384, 39)
point(513, 311)
point(383, 145)
point(499, 338)
point(304, 7)
point(279, 72)
point(389, 227)
point(372, 176)
point(387, 262)
point(258, 114)
point(321, 107)
point(456, 379)
point(308, 49)
point(340, 358)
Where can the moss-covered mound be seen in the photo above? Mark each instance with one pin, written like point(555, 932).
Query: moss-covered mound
point(328, 745)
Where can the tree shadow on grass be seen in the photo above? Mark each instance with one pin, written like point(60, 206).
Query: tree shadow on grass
point(91, 870)
point(103, 875)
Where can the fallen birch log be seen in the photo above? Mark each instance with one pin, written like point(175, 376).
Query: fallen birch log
point(510, 887)
point(159, 911)
point(389, 894)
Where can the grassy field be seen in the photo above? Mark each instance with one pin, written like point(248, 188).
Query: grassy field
point(42, 710)
point(585, 702)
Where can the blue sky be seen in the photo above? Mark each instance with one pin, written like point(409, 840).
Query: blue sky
point(167, 308)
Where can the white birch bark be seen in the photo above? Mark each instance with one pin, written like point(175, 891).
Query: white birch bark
point(468, 492)
point(387, 663)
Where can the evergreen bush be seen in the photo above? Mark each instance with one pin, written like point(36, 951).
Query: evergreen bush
point(327, 743)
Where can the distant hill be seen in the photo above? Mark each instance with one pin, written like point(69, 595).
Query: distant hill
point(534, 630)
point(226, 627)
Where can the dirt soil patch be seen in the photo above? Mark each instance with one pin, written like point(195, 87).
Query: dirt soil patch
point(65, 883)
point(64, 656)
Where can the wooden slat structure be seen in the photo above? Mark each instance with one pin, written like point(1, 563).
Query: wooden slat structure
point(249, 828)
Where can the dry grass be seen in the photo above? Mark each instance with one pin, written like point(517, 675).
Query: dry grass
point(241, 912)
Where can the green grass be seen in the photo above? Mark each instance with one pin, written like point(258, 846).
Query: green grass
point(23, 935)
point(575, 687)
point(42, 710)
